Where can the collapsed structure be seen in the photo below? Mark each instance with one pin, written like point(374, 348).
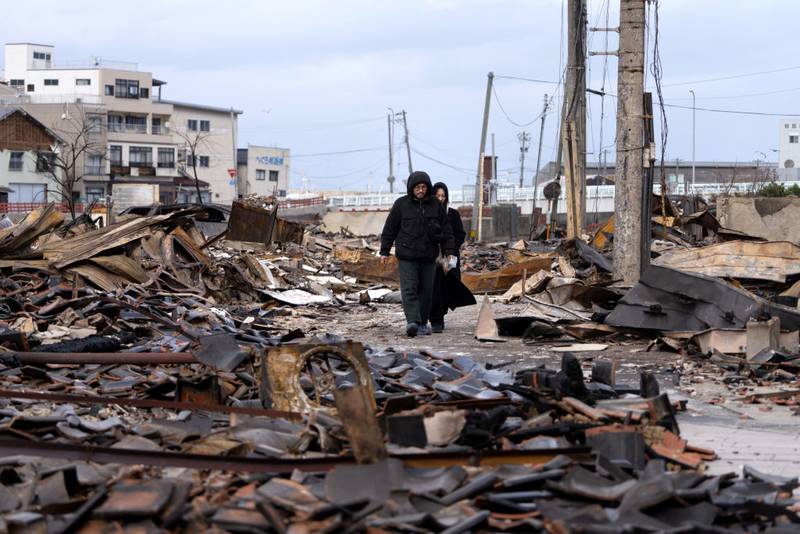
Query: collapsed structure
point(152, 378)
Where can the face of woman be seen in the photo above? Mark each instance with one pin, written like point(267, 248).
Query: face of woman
point(441, 196)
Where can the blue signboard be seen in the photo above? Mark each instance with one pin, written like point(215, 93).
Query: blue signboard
point(270, 160)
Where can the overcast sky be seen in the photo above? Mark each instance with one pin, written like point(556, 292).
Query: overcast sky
point(318, 76)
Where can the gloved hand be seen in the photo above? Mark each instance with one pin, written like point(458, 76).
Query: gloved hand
point(452, 262)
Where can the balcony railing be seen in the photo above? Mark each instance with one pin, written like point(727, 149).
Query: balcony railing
point(94, 170)
point(127, 128)
point(160, 130)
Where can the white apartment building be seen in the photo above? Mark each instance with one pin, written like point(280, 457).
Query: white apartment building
point(263, 171)
point(789, 148)
point(145, 137)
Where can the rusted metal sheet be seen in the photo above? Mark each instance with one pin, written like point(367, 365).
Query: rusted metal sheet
point(368, 268)
point(356, 409)
point(501, 280)
point(771, 261)
point(249, 223)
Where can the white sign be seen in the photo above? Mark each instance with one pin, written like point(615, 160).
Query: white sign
point(129, 195)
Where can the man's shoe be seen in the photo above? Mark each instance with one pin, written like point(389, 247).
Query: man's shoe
point(411, 329)
point(437, 328)
point(424, 330)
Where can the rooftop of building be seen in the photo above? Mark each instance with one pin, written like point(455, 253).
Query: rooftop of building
point(200, 106)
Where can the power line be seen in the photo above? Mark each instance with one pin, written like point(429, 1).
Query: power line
point(731, 97)
point(732, 77)
point(550, 82)
point(713, 110)
point(353, 151)
point(440, 162)
point(343, 175)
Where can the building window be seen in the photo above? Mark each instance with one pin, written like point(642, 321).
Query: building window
point(115, 123)
point(273, 176)
point(786, 125)
point(191, 125)
point(15, 162)
point(281, 192)
point(83, 81)
point(261, 174)
point(189, 160)
point(94, 122)
point(16, 83)
point(30, 87)
point(41, 55)
point(794, 139)
point(202, 161)
point(144, 92)
point(794, 125)
point(115, 155)
point(141, 156)
point(156, 126)
point(51, 81)
point(95, 193)
point(205, 126)
point(135, 123)
point(166, 158)
point(44, 161)
point(126, 88)
point(109, 90)
point(94, 163)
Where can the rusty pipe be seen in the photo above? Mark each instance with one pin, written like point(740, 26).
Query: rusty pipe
point(135, 358)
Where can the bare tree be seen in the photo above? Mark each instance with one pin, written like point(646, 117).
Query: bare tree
point(194, 141)
point(65, 164)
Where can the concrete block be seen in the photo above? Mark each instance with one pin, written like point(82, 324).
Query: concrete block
point(763, 335)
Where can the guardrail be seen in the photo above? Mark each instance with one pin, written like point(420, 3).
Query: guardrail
point(302, 202)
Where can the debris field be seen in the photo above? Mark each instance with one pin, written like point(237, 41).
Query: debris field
point(154, 378)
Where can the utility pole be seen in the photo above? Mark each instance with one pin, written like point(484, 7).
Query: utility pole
point(477, 205)
point(573, 122)
point(408, 146)
point(693, 137)
point(630, 142)
point(390, 179)
point(538, 165)
point(493, 182)
point(524, 141)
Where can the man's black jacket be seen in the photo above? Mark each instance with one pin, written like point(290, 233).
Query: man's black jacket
point(417, 227)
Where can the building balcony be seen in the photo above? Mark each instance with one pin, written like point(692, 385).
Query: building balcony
point(127, 128)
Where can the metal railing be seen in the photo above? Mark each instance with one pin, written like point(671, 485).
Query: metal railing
point(302, 202)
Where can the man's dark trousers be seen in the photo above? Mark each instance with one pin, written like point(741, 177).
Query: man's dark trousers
point(416, 288)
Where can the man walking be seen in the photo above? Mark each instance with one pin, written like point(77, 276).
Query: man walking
point(418, 227)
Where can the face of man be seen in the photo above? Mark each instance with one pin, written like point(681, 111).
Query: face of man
point(441, 196)
point(420, 190)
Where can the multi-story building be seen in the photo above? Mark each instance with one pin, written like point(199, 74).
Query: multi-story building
point(24, 167)
point(263, 171)
point(147, 140)
point(789, 148)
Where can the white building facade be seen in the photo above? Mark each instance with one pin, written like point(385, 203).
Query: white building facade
point(145, 137)
point(789, 148)
point(263, 171)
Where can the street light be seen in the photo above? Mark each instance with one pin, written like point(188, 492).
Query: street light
point(693, 135)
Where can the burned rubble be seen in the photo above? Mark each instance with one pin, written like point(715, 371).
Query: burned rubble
point(152, 378)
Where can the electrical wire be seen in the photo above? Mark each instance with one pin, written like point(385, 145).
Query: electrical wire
point(732, 77)
point(340, 152)
point(440, 162)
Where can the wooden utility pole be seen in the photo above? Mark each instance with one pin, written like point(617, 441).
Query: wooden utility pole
point(477, 205)
point(628, 199)
point(573, 121)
